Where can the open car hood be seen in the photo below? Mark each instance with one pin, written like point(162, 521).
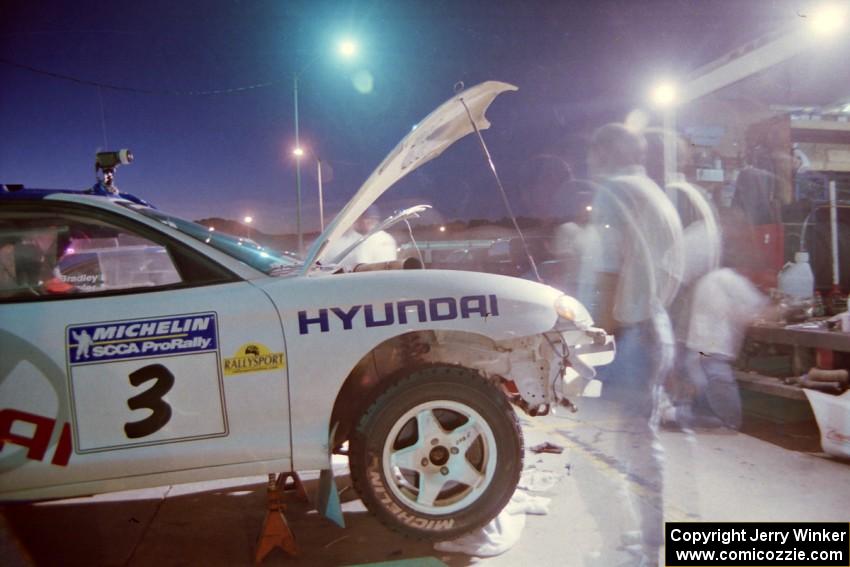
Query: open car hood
point(439, 130)
point(409, 213)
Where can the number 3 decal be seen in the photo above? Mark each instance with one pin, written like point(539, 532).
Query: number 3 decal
point(150, 399)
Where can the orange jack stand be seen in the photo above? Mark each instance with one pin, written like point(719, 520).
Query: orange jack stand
point(295, 485)
point(276, 532)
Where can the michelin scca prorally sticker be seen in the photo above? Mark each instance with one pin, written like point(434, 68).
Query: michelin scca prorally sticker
point(145, 382)
point(121, 340)
point(253, 357)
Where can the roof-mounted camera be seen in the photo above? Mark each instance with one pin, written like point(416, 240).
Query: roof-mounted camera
point(108, 162)
point(111, 160)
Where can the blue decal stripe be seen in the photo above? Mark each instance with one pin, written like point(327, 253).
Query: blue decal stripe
point(142, 338)
point(128, 340)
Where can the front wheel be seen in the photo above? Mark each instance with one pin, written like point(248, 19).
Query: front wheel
point(438, 454)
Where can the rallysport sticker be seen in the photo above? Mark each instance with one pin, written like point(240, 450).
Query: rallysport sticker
point(122, 340)
point(253, 357)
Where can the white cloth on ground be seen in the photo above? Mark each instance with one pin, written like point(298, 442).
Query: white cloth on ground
point(504, 531)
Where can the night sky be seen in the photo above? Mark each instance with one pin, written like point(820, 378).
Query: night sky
point(577, 65)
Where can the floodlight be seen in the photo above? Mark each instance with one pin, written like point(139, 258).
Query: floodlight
point(664, 94)
point(347, 48)
point(828, 20)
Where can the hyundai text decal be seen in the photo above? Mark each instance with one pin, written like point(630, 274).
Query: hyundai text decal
point(398, 313)
point(118, 340)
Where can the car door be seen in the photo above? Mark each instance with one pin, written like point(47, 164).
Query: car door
point(129, 359)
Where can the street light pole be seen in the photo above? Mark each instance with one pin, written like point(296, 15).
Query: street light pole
point(665, 97)
point(321, 200)
point(671, 167)
point(297, 168)
point(347, 49)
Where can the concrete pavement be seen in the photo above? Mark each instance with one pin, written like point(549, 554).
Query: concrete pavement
point(717, 476)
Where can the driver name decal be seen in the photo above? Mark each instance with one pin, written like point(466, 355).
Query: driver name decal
point(398, 313)
point(121, 340)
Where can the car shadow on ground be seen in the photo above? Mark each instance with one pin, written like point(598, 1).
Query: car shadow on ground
point(194, 526)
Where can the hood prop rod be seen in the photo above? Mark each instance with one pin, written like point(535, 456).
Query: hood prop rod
point(502, 191)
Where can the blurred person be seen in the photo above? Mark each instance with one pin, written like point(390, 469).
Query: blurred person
point(379, 247)
point(107, 188)
point(571, 239)
point(701, 245)
point(8, 272)
point(630, 273)
point(753, 226)
point(724, 304)
point(38, 254)
point(635, 262)
point(338, 246)
point(546, 179)
point(701, 235)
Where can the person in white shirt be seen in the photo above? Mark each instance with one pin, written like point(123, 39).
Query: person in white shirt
point(379, 247)
point(724, 303)
point(631, 267)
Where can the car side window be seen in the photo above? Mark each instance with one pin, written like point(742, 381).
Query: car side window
point(48, 255)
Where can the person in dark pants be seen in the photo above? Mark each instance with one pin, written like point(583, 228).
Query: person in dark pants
point(724, 304)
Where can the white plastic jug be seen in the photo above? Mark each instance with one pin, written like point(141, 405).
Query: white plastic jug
point(796, 278)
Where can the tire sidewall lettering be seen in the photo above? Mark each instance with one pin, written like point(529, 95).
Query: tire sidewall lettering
point(407, 517)
point(374, 485)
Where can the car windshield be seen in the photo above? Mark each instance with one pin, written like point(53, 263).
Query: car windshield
point(263, 258)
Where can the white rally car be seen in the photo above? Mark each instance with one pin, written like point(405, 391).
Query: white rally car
point(138, 349)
